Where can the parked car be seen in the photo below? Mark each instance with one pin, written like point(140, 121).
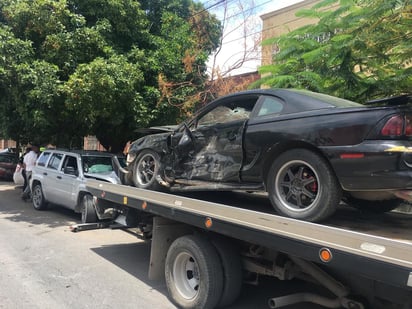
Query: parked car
point(60, 177)
point(307, 150)
point(8, 163)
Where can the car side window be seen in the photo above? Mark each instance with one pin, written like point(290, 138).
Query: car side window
point(70, 161)
point(55, 161)
point(270, 106)
point(43, 158)
point(228, 112)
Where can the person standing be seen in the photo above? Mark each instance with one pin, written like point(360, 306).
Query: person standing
point(29, 161)
point(23, 170)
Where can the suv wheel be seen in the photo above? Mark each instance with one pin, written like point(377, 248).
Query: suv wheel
point(88, 212)
point(38, 200)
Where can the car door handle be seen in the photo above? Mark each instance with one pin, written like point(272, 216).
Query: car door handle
point(59, 177)
point(45, 174)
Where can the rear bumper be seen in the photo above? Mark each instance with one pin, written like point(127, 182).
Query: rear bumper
point(373, 165)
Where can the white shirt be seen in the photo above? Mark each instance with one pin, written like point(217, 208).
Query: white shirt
point(30, 160)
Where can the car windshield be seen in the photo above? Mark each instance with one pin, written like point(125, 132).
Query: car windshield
point(338, 102)
point(97, 164)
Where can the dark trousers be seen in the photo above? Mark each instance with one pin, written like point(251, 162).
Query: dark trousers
point(27, 191)
point(23, 173)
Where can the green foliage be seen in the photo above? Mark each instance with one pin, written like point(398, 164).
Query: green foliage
point(102, 67)
point(13, 54)
point(360, 50)
point(107, 96)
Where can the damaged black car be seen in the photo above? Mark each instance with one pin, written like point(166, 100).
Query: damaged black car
point(307, 150)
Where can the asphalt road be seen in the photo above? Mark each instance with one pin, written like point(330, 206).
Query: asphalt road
point(45, 265)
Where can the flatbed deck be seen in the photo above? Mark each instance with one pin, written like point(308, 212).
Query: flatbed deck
point(377, 247)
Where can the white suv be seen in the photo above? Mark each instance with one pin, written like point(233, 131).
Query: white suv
point(59, 177)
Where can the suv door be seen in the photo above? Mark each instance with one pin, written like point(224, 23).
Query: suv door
point(68, 182)
point(51, 176)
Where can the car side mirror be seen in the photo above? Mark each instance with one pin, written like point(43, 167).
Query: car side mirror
point(187, 136)
point(70, 170)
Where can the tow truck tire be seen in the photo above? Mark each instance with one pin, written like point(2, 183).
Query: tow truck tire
point(38, 200)
point(145, 170)
point(302, 185)
point(88, 212)
point(232, 271)
point(193, 273)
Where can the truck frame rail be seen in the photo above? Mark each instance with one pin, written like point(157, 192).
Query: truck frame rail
point(384, 259)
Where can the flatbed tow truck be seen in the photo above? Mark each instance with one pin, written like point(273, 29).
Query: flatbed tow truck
point(204, 249)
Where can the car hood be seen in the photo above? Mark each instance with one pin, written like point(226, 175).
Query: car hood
point(158, 129)
point(104, 176)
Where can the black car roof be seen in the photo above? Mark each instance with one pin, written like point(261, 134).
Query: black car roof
point(301, 99)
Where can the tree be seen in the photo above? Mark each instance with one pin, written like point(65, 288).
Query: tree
point(14, 54)
point(360, 51)
point(98, 66)
point(92, 91)
point(237, 25)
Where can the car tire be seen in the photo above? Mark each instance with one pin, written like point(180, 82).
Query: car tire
point(38, 200)
point(232, 271)
point(374, 207)
point(146, 169)
point(88, 213)
point(193, 273)
point(302, 185)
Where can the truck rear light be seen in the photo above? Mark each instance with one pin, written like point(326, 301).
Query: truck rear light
point(394, 126)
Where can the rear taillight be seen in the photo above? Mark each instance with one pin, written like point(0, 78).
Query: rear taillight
point(399, 125)
point(408, 125)
point(394, 126)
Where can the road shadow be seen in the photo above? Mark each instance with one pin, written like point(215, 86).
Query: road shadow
point(134, 258)
point(13, 208)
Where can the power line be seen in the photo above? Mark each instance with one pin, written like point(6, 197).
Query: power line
point(209, 7)
point(248, 10)
point(221, 2)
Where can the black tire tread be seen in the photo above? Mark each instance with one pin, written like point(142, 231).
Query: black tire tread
point(232, 271)
point(153, 185)
point(88, 213)
point(330, 199)
point(375, 207)
point(210, 270)
point(43, 203)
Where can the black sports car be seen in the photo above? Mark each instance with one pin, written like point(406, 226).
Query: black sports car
point(307, 150)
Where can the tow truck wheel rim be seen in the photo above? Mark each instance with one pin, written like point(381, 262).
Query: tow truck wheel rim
point(146, 169)
point(186, 275)
point(297, 186)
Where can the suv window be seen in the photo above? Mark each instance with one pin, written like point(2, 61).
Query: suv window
point(55, 161)
point(70, 161)
point(43, 159)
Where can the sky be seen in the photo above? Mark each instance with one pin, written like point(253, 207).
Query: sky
point(234, 34)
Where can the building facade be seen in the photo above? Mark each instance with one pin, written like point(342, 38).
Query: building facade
point(6, 143)
point(283, 21)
